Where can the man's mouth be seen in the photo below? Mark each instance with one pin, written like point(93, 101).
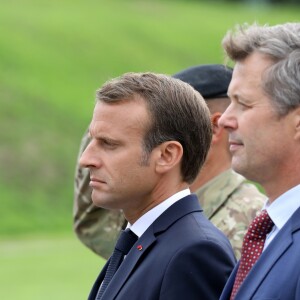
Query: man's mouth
point(96, 181)
point(235, 145)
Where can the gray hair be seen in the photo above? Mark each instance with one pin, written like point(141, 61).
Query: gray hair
point(281, 43)
point(177, 112)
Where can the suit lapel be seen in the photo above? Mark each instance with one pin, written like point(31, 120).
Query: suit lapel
point(134, 255)
point(172, 214)
point(277, 248)
point(97, 283)
point(226, 293)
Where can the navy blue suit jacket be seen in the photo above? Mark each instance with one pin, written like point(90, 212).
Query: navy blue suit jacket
point(276, 274)
point(183, 256)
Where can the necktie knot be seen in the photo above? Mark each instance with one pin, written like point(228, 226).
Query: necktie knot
point(260, 227)
point(126, 241)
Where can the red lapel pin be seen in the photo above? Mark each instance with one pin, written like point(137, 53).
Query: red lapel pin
point(139, 247)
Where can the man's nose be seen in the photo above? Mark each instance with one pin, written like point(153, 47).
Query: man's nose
point(227, 119)
point(86, 158)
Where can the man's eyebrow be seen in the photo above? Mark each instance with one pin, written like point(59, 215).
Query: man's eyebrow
point(105, 138)
point(233, 95)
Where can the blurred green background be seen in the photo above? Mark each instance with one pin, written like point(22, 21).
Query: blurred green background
point(53, 56)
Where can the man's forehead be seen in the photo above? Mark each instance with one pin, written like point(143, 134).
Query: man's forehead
point(123, 118)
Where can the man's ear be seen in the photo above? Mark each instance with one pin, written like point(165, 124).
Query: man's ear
point(170, 155)
point(217, 130)
point(296, 112)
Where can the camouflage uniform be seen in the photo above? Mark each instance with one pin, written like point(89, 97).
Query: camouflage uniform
point(228, 200)
point(231, 203)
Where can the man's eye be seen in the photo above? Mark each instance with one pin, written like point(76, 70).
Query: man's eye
point(244, 105)
point(109, 144)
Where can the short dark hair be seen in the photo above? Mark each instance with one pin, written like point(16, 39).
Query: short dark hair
point(177, 112)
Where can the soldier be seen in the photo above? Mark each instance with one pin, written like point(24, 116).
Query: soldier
point(228, 200)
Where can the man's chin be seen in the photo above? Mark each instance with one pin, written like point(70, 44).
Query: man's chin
point(237, 166)
point(103, 202)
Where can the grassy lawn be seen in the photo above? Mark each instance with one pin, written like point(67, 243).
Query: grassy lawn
point(55, 54)
point(48, 268)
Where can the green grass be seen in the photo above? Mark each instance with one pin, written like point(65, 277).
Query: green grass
point(48, 268)
point(55, 54)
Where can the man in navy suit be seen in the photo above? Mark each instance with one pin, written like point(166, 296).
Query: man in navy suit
point(150, 135)
point(263, 121)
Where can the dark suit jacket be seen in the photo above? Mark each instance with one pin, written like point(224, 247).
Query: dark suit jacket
point(276, 274)
point(183, 256)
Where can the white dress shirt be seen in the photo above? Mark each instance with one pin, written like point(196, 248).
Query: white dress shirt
point(142, 224)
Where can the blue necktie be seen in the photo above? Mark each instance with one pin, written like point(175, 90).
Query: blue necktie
point(124, 244)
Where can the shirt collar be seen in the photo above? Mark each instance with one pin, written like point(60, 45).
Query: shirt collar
point(142, 224)
point(282, 208)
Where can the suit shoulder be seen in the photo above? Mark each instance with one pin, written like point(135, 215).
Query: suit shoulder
point(197, 229)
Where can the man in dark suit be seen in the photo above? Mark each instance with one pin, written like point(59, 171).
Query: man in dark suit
point(228, 200)
point(150, 135)
point(263, 121)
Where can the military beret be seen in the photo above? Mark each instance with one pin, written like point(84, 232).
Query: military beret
point(211, 81)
